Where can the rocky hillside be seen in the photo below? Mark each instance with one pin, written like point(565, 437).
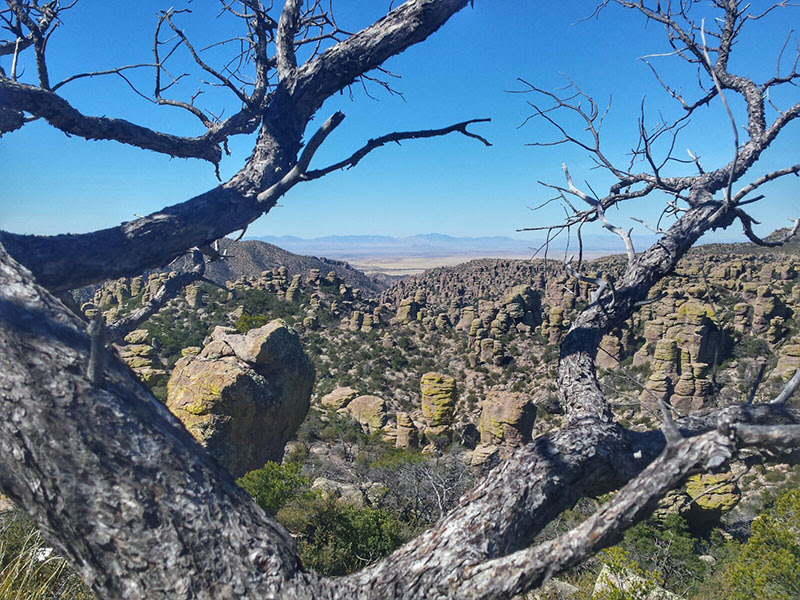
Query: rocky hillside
point(249, 258)
point(440, 375)
point(494, 326)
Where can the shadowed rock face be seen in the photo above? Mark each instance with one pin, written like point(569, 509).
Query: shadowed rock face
point(244, 396)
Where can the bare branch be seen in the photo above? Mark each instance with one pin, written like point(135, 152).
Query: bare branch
point(168, 290)
point(757, 382)
point(747, 224)
point(718, 85)
point(529, 568)
point(741, 194)
point(790, 389)
point(352, 160)
point(284, 42)
point(623, 234)
point(94, 371)
point(115, 71)
point(298, 171)
point(59, 113)
point(225, 81)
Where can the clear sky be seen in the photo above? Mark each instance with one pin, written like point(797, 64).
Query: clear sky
point(453, 185)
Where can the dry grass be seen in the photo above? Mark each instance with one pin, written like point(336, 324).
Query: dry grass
point(29, 569)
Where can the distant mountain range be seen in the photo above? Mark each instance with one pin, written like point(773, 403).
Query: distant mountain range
point(435, 245)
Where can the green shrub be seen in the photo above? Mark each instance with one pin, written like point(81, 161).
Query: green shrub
point(666, 547)
point(273, 484)
point(769, 563)
point(336, 538)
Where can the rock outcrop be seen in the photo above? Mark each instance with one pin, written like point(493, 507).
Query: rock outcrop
point(506, 418)
point(407, 434)
point(339, 398)
point(141, 357)
point(628, 585)
point(244, 396)
point(369, 411)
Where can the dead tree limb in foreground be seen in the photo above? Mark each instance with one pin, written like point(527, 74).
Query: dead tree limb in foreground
point(136, 504)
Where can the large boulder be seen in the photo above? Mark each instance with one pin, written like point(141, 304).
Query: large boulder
point(244, 396)
point(407, 311)
point(714, 492)
point(369, 411)
point(703, 499)
point(506, 418)
point(345, 492)
point(5, 504)
point(339, 398)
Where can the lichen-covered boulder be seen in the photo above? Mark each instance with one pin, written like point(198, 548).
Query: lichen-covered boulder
point(5, 504)
point(438, 401)
point(626, 584)
point(369, 411)
point(344, 492)
point(407, 311)
point(703, 499)
point(506, 418)
point(715, 492)
point(141, 358)
point(244, 396)
point(789, 360)
point(137, 336)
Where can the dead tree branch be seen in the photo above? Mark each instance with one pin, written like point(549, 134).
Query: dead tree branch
point(352, 160)
point(168, 290)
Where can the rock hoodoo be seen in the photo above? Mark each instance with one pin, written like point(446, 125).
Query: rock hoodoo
point(438, 402)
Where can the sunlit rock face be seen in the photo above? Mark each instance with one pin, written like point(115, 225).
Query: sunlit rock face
point(244, 396)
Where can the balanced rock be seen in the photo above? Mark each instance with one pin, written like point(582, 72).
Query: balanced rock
point(407, 311)
point(407, 435)
point(244, 396)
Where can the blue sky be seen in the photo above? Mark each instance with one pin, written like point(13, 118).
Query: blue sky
point(453, 185)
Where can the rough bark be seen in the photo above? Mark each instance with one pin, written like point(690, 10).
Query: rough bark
point(134, 502)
